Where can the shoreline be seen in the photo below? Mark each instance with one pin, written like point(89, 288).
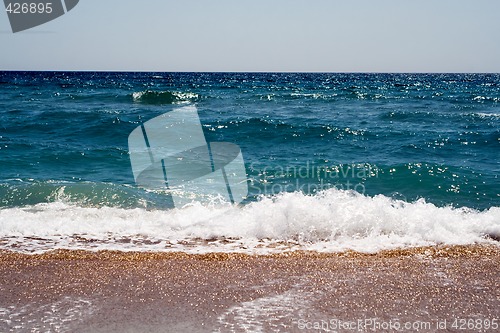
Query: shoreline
point(429, 251)
point(107, 291)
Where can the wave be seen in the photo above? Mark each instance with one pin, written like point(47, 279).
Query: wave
point(163, 97)
point(25, 193)
point(486, 115)
point(284, 126)
point(483, 99)
point(330, 221)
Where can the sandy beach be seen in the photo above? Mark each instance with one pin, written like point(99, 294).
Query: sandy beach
point(79, 291)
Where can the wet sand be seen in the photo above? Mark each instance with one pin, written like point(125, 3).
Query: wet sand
point(78, 291)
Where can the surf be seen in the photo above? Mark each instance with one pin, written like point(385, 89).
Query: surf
point(329, 221)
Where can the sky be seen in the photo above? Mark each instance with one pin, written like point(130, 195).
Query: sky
point(262, 36)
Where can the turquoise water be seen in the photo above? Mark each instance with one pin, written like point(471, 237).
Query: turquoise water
point(406, 136)
point(334, 161)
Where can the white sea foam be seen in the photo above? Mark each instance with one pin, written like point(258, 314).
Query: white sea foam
point(332, 220)
point(267, 314)
point(487, 115)
point(57, 316)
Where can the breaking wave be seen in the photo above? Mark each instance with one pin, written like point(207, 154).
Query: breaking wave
point(330, 221)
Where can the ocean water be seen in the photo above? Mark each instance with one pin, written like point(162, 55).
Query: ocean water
point(333, 161)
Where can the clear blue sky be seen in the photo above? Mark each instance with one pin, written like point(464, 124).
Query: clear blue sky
point(262, 35)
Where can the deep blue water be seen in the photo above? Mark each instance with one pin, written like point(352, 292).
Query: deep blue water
point(407, 136)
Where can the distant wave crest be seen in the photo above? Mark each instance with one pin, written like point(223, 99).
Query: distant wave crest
point(163, 97)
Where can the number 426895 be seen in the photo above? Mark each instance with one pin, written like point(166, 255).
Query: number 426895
point(475, 324)
point(29, 8)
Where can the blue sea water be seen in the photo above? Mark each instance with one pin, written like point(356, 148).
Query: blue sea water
point(372, 140)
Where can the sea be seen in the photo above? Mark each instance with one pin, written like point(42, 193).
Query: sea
point(333, 161)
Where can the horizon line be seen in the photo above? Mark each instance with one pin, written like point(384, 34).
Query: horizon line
point(237, 72)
